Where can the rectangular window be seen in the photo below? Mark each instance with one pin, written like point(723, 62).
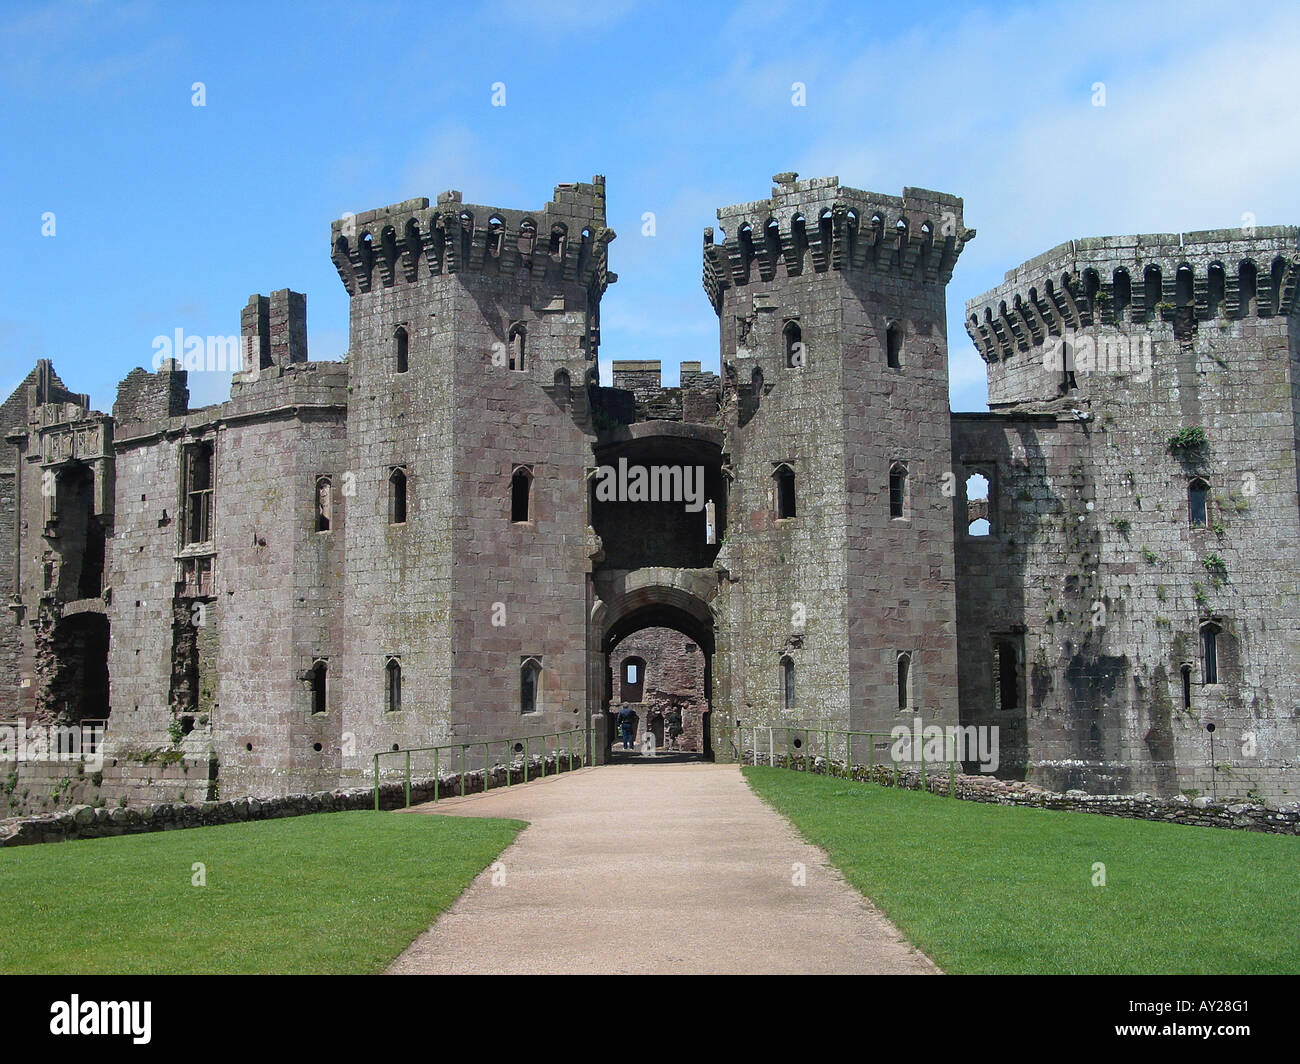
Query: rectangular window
point(198, 493)
point(197, 577)
point(1006, 672)
point(1210, 653)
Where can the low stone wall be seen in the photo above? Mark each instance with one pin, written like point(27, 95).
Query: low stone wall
point(88, 822)
point(1199, 812)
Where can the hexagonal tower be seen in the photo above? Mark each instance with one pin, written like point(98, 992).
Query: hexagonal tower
point(473, 338)
point(834, 353)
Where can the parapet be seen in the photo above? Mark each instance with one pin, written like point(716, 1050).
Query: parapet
point(695, 399)
point(566, 240)
point(820, 225)
point(1182, 278)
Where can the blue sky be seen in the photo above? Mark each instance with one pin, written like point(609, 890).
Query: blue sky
point(169, 215)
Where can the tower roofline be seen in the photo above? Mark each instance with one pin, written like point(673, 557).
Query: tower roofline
point(919, 234)
point(1243, 272)
point(567, 239)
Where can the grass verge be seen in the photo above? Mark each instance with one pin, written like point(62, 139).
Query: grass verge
point(331, 893)
point(987, 888)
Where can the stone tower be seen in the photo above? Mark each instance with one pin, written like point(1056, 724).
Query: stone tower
point(473, 340)
point(834, 354)
point(1143, 541)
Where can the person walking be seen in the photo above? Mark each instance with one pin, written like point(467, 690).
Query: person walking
point(674, 727)
point(627, 725)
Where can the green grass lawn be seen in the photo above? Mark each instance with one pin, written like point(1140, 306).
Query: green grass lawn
point(335, 892)
point(986, 888)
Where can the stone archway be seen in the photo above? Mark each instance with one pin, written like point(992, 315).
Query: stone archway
point(630, 602)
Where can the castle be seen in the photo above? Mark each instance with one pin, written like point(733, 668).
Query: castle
point(408, 547)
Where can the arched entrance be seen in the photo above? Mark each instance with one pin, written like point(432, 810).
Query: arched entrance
point(675, 600)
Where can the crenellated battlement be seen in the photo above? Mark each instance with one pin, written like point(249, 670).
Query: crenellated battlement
point(1181, 278)
point(566, 240)
point(821, 225)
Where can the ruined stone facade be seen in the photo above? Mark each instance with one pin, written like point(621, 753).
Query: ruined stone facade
point(415, 546)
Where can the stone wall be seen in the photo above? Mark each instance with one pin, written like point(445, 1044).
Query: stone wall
point(89, 822)
point(1180, 809)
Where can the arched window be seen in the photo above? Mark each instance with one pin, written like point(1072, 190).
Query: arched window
point(1216, 287)
point(1186, 672)
point(518, 333)
point(496, 237)
point(894, 346)
point(401, 346)
point(904, 683)
point(530, 685)
point(746, 240)
point(633, 687)
point(979, 508)
point(527, 237)
point(521, 490)
point(559, 237)
point(898, 490)
point(1247, 285)
point(785, 504)
point(324, 503)
point(1210, 652)
point(392, 685)
point(397, 496)
point(798, 239)
point(1123, 292)
point(787, 684)
point(319, 680)
point(794, 349)
point(1152, 292)
point(562, 384)
point(1198, 493)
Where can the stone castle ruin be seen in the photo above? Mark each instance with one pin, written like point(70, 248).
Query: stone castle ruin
point(416, 546)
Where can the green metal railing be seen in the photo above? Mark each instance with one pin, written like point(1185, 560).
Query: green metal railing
point(800, 744)
point(516, 746)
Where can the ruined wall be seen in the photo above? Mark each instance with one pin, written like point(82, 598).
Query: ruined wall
point(1159, 334)
point(54, 479)
point(1030, 583)
point(217, 636)
point(835, 264)
point(673, 679)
